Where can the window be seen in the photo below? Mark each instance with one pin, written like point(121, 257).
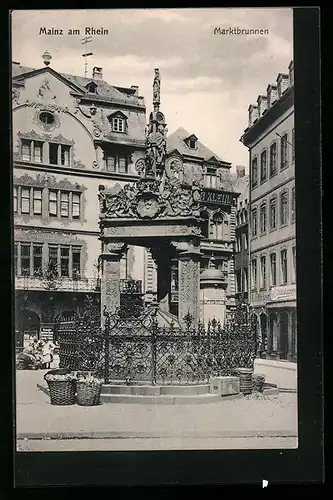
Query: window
point(25, 150)
point(116, 162)
point(293, 145)
point(25, 200)
point(283, 208)
point(76, 203)
point(210, 181)
point(110, 163)
point(37, 259)
point(254, 222)
point(245, 242)
point(272, 213)
point(32, 151)
point(123, 267)
point(64, 261)
point(192, 143)
point(64, 204)
point(263, 166)
point(25, 259)
point(118, 124)
point(218, 229)
point(69, 204)
point(293, 205)
point(294, 264)
point(92, 88)
point(272, 160)
point(254, 273)
point(262, 273)
point(244, 280)
point(76, 262)
point(46, 118)
point(254, 173)
point(284, 151)
point(263, 218)
point(284, 267)
point(53, 203)
point(16, 258)
point(15, 202)
point(273, 269)
point(37, 201)
point(59, 154)
point(122, 164)
point(64, 155)
point(53, 154)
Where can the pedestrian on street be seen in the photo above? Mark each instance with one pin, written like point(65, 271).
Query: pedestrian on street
point(47, 353)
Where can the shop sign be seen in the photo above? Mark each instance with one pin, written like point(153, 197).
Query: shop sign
point(217, 197)
point(283, 293)
point(46, 332)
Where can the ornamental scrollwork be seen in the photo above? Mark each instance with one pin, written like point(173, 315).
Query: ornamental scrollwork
point(150, 198)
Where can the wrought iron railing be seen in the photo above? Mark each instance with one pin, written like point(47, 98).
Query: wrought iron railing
point(134, 348)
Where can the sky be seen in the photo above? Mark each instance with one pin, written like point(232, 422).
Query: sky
point(207, 81)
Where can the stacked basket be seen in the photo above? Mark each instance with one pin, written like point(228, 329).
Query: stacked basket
point(88, 389)
point(61, 385)
point(67, 387)
point(245, 380)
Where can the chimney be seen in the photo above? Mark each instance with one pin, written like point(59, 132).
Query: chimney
point(240, 171)
point(291, 73)
point(272, 95)
point(136, 88)
point(282, 83)
point(262, 104)
point(253, 114)
point(97, 73)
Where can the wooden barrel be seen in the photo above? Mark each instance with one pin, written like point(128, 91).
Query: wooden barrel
point(245, 380)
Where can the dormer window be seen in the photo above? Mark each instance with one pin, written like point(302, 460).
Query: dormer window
point(118, 122)
point(92, 88)
point(191, 141)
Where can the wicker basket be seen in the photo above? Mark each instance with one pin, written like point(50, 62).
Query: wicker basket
point(258, 382)
point(62, 392)
point(245, 380)
point(88, 394)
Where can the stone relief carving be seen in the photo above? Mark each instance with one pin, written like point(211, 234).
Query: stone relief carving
point(45, 137)
point(150, 198)
point(189, 279)
point(94, 164)
point(174, 168)
point(78, 164)
point(139, 231)
point(115, 247)
point(46, 107)
point(140, 166)
point(46, 180)
point(44, 89)
point(16, 95)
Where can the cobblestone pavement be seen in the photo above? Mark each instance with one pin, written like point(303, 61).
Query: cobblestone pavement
point(250, 416)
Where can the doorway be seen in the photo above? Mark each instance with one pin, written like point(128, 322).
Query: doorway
point(28, 323)
point(284, 335)
point(263, 332)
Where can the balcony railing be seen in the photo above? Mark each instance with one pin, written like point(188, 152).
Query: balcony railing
point(63, 284)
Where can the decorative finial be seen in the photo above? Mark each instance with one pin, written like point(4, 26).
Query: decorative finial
point(211, 263)
point(46, 58)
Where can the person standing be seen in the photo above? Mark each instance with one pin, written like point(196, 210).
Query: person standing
point(47, 353)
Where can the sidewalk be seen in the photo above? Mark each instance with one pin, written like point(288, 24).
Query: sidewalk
point(282, 373)
point(265, 416)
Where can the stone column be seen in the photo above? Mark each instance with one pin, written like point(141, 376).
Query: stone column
point(189, 280)
point(110, 281)
point(162, 259)
point(269, 335)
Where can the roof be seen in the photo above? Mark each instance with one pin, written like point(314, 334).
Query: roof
point(176, 141)
point(105, 90)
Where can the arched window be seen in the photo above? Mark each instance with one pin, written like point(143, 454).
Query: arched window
point(218, 220)
point(205, 224)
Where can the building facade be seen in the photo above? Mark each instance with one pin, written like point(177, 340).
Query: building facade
point(241, 186)
point(270, 137)
point(69, 135)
